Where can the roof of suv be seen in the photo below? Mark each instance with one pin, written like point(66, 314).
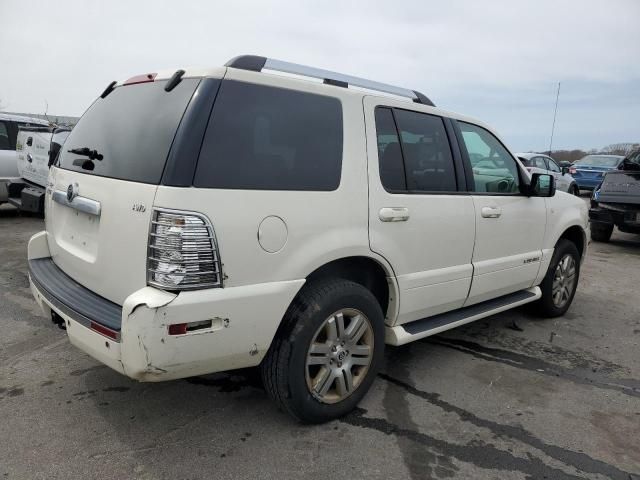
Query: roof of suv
point(244, 68)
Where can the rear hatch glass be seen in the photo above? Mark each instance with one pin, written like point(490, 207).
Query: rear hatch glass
point(132, 129)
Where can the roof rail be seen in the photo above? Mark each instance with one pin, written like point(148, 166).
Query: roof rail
point(257, 64)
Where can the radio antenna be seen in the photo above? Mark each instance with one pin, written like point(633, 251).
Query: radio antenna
point(553, 127)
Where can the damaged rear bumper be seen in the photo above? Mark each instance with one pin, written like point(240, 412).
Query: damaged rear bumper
point(241, 322)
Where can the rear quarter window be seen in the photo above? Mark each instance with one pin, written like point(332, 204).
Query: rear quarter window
point(267, 138)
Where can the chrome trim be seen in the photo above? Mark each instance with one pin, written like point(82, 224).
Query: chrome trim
point(294, 68)
point(82, 204)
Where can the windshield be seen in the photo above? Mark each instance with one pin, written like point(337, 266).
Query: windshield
point(131, 130)
point(599, 161)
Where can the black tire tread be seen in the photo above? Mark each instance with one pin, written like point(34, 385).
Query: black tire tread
point(274, 366)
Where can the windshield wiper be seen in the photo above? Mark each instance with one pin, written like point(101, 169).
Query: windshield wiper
point(87, 152)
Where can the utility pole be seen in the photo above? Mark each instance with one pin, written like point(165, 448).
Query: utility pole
point(555, 111)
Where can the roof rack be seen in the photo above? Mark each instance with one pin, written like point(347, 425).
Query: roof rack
point(257, 64)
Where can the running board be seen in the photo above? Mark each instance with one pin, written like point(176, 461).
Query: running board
point(409, 332)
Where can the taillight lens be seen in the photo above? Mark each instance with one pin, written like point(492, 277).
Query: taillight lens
point(183, 253)
point(572, 170)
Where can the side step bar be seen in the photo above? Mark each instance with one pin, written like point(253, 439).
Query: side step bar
point(409, 332)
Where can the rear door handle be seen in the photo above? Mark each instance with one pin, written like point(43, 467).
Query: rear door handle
point(393, 214)
point(491, 212)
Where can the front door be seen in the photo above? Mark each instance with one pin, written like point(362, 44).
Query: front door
point(419, 220)
point(510, 226)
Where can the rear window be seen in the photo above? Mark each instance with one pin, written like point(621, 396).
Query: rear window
point(599, 161)
point(268, 138)
point(132, 128)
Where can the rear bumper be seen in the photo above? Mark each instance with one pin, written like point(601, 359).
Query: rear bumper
point(588, 183)
point(244, 320)
point(627, 221)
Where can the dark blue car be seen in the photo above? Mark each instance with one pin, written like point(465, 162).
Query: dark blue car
point(589, 171)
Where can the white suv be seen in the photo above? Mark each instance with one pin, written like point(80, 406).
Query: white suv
point(208, 220)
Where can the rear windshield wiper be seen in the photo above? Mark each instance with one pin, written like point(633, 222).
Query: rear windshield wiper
point(87, 152)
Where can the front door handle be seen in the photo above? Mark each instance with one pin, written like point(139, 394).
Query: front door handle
point(491, 212)
point(393, 214)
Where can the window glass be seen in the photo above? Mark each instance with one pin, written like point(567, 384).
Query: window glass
point(4, 137)
point(427, 154)
point(267, 138)
point(553, 166)
point(539, 162)
point(494, 169)
point(132, 128)
point(389, 153)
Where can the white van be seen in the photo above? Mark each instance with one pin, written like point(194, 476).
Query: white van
point(214, 219)
point(9, 126)
point(36, 148)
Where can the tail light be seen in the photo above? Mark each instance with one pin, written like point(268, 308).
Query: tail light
point(183, 252)
point(572, 170)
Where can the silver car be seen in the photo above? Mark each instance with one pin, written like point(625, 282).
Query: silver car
point(539, 163)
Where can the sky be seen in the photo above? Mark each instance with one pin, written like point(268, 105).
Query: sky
point(498, 61)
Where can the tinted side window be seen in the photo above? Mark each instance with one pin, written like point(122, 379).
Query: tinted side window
point(427, 154)
point(4, 137)
point(494, 169)
point(267, 138)
point(389, 154)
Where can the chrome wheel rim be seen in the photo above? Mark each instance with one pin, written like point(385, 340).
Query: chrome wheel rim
point(564, 280)
point(339, 355)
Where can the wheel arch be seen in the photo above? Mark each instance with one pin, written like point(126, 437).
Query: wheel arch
point(372, 273)
point(577, 235)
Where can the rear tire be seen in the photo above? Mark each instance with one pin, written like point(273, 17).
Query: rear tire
point(300, 371)
point(560, 282)
point(575, 191)
point(601, 232)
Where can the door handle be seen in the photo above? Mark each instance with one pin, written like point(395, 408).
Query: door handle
point(393, 214)
point(491, 212)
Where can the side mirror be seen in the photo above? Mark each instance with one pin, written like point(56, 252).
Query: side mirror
point(565, 170)
point(542, 185)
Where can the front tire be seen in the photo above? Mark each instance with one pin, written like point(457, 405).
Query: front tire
point(560, 282)
point(327, 352)
point(601, 232)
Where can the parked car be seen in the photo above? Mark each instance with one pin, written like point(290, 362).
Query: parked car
point(297, 225)
point(9, 125)
point(589, 171)
point(36, 148)
point(616, 201)
point(539, 163)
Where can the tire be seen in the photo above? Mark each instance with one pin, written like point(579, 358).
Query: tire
point(601, 232)
point(547, 306)
point(575, 191)
point(286, 374)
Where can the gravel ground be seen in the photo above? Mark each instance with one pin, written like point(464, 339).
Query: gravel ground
point(509, 397)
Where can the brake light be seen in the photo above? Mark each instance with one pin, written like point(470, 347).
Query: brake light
point(144, 78)
point(183, 252)
point(572, 170)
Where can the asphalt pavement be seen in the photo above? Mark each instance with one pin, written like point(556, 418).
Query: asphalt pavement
point(508, 397)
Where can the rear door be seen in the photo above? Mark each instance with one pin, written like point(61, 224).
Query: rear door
point(33, 158)
point(510, 226)
point(419, 219)
point(101, 192)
